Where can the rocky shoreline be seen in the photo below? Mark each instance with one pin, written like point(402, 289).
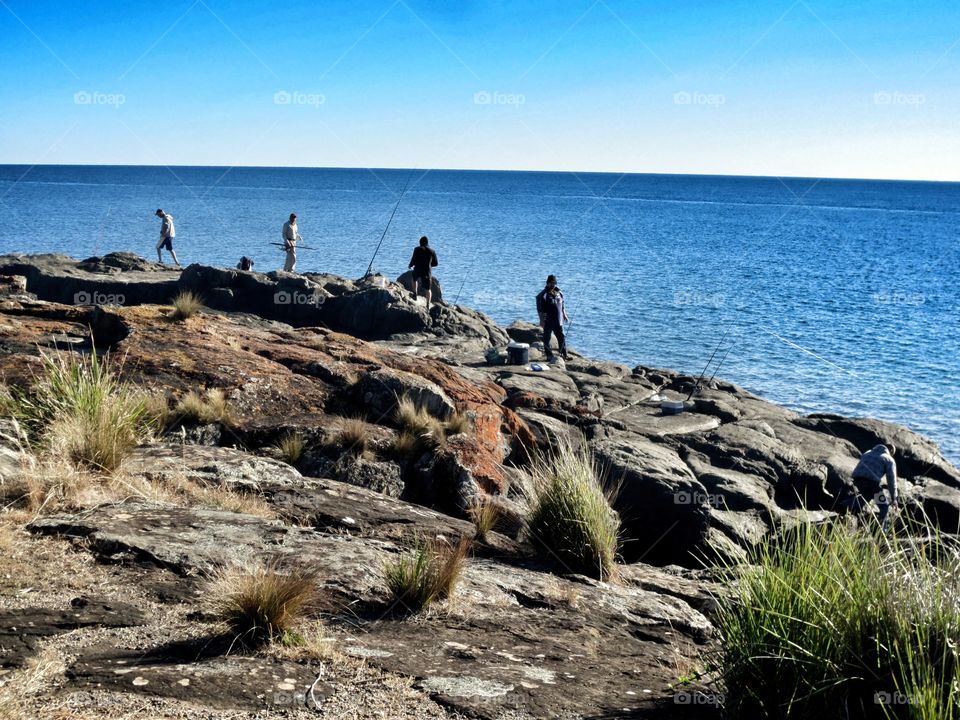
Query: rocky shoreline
point(296, 353)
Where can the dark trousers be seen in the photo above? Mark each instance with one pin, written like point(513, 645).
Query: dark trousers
point(554, 328)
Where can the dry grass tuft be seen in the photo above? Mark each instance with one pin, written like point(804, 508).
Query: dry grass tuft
point(405, 445)
point(185, 305)
point(290, 448)
point(307, 643)
point(260, 605)
point(427, 573)
point(211, 407)
point(353, 436)
point(416, 420)
point(156, 412)
point(458, 423)
point(484, 514)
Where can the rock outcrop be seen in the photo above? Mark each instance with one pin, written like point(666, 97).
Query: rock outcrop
point(296, 356)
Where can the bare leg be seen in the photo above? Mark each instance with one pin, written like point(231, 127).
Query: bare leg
point(174, 253)
point(159, 256)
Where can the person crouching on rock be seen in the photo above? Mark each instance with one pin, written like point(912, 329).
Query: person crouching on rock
point(291, 235)
point(552, 316)
point(423, 261)
point(875, 465)
point(167, 233)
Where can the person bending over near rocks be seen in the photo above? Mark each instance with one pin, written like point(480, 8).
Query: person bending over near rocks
point(423, 261)
point(245, 263)
point(167, 233)
point(552, 316)
point(291, 236)
point(875, 464)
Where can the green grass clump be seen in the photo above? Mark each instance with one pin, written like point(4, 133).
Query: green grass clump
point(829, 622)
point(211, 407)
point(262, 604)
point(77, 408)
point(425, 574)
point(185, 305)
point(571, 521)
point(290, 448)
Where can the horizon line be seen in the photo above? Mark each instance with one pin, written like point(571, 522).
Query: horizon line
point(488, 170)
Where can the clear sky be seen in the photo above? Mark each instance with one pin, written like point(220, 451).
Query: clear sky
point(825, 88)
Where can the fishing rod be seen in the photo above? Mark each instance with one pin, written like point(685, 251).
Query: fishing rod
point(717, 369)
point(700, 379)
point(402, 193)
point(298, 247)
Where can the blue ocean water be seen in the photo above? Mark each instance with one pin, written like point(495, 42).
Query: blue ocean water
point(832, 295)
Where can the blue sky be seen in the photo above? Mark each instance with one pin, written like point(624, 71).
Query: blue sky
point(823, 88)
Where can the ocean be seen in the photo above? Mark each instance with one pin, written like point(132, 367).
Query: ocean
point(823, 295)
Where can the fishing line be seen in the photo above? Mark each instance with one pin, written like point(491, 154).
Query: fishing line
point(402, 193)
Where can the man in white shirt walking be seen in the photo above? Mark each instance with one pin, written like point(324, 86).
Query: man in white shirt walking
point(291, 235)
point(167, 233)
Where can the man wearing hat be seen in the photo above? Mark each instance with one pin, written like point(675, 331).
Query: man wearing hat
point(552, 316)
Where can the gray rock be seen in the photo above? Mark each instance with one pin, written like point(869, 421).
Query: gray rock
point(524, 332)
point(551, 432)
point(211, 466)
point(379, 391)
point(406, 280)
point(917, 457)
point(379, 476)
point(663, 507)
point(523, 636)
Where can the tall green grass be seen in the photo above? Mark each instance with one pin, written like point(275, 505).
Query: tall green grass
point(428, 572)
point(78, 408)
point(570, 520)
point(830, 622)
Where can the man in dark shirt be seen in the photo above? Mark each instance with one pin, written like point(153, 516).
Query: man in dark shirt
point(552, 316)
point(422, 262)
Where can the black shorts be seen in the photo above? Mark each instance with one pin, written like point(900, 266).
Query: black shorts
point(422, 277)
point(166, 244)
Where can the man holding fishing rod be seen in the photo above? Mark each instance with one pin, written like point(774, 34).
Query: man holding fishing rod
point(291, 236)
